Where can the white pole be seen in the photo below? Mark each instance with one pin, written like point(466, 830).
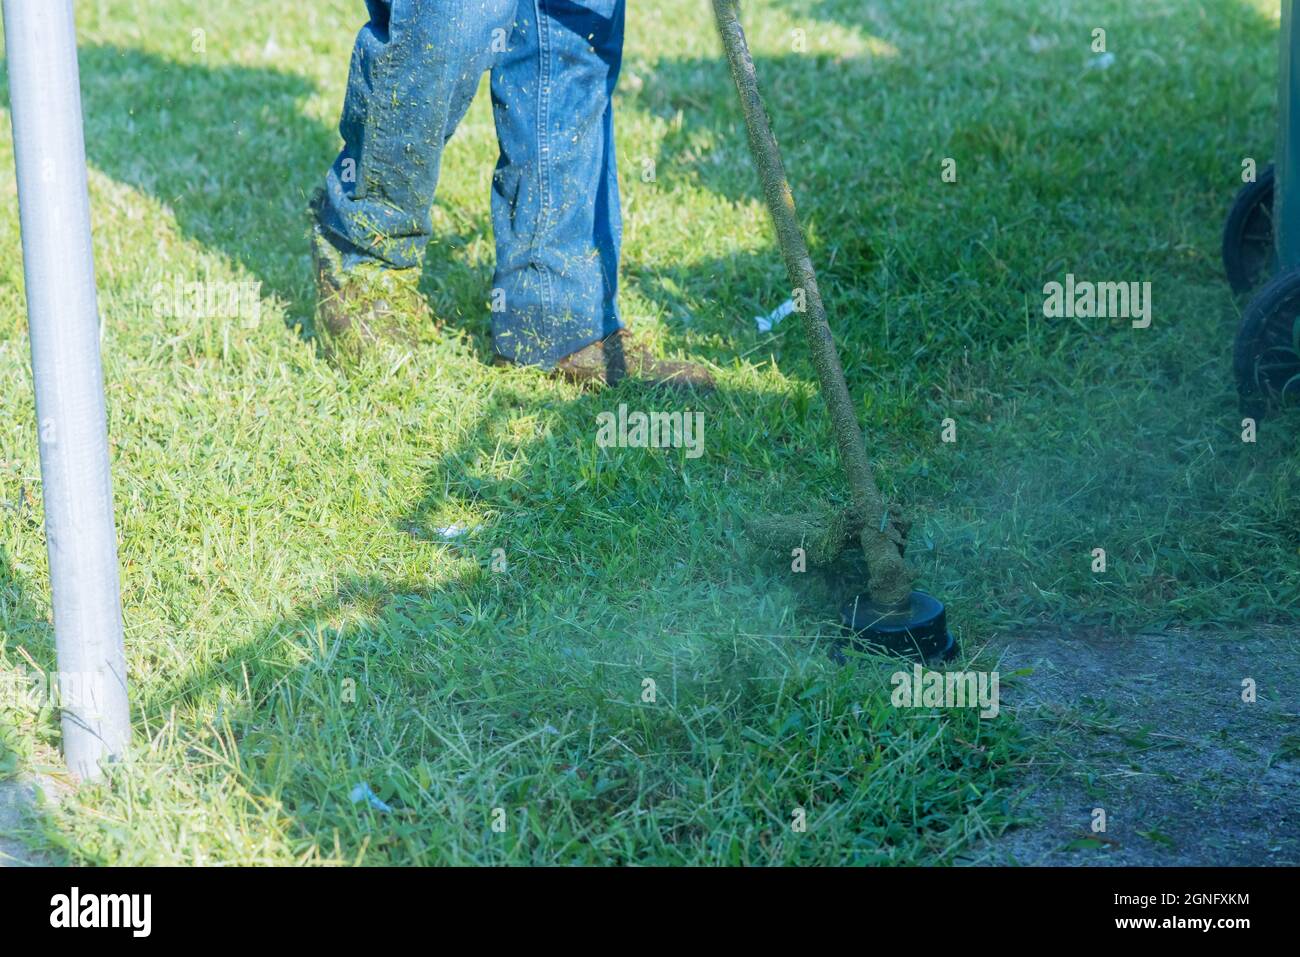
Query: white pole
point(54, 208)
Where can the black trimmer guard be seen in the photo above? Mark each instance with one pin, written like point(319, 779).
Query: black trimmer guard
point(918, 631)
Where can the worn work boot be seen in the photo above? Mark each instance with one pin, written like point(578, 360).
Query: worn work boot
point(618, 356)
point(362, 307)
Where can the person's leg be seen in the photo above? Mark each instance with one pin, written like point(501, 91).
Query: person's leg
point(414, 71)
point(555, 206)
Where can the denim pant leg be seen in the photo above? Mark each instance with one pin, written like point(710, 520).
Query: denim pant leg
point(555, 206)
point(415, 68)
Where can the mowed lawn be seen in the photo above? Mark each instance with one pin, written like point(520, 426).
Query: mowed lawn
point(416, 615)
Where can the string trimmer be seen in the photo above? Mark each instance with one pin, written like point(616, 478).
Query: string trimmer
point(890, 614)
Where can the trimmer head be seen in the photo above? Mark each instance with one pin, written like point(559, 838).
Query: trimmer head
point(919, 630)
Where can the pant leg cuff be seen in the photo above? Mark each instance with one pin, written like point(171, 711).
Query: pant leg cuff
point(532, 350)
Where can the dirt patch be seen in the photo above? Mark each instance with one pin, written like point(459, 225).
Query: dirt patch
point(19, 799)
point(15, 798)
point(1153, 730)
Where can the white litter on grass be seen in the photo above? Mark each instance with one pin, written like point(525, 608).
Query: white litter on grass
point(765, 323)
point(454, 531)
point(363, 792)
point(1102, 61)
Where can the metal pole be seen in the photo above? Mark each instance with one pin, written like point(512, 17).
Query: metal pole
point(1286, 202)
point(54, 208)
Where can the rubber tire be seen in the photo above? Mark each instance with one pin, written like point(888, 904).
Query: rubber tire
point(1267, 331)
point(1249, 255)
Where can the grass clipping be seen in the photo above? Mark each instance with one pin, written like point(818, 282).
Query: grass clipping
point(824, 535)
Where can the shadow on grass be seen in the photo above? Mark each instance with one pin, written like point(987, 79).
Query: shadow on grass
point(591, 673)
point(229, 152)
point(27, 645)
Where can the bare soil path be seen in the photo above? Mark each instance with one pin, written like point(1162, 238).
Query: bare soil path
point(1158, 732)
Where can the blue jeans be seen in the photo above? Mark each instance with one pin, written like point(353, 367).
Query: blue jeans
point(555, 206)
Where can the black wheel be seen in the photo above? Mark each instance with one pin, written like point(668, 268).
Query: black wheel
point(1249, 256)
point(1266, 356)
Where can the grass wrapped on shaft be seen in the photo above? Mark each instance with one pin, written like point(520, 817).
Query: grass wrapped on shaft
point(891, 581)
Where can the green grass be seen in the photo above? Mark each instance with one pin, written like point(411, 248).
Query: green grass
point(295, 625)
